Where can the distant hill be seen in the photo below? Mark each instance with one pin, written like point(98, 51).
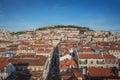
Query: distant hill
point(82, 29)
point(21, 32)
point(68, 27)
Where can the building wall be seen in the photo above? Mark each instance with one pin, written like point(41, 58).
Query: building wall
point(46, 68)
point(10, 68)
point(116, 53)
point(90, 63)
point(7, 71)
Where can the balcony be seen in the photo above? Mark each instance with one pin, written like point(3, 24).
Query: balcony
point(83, 62)
point(100, 62)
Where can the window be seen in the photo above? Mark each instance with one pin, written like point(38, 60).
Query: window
point(67, 65)
point(79, 61)
point(19, 67)
point(32, 68)
point(83, 62)
point(23, 68)
point(36, 68)
point(91, 62)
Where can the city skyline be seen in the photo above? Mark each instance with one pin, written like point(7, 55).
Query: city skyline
point(18, 15)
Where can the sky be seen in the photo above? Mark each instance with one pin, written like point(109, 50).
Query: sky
point(16, 15)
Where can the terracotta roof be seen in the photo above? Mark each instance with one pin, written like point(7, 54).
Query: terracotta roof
point(89, 56)
point(86, 50)
point(2, 50)
point(100, 72)
point(113, 48)
point(79, 74)
point(24, 43)
point(101, 43)
point(3, 41)
point(39, 61)
point(70, 62)
point(97, 47)
point(73, 75)
point(36, 74)
point(110, 56)
point(67, 76)
point(13, 45)
point(25, 55)
point(63, 67)
point(13, 49)
point(42, 45)
point(3, 63)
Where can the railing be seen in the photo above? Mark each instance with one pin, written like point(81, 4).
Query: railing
point(83, 62)
point(100, 62)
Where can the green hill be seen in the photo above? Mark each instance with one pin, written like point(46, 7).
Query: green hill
point(65, 26)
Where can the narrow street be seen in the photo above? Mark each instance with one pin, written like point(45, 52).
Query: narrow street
point(54, 67)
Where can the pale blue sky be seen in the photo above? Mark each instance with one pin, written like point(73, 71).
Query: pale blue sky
point(18, 15)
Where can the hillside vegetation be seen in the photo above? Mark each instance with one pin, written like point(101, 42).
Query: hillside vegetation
point(65, 26)
point(81, 29)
